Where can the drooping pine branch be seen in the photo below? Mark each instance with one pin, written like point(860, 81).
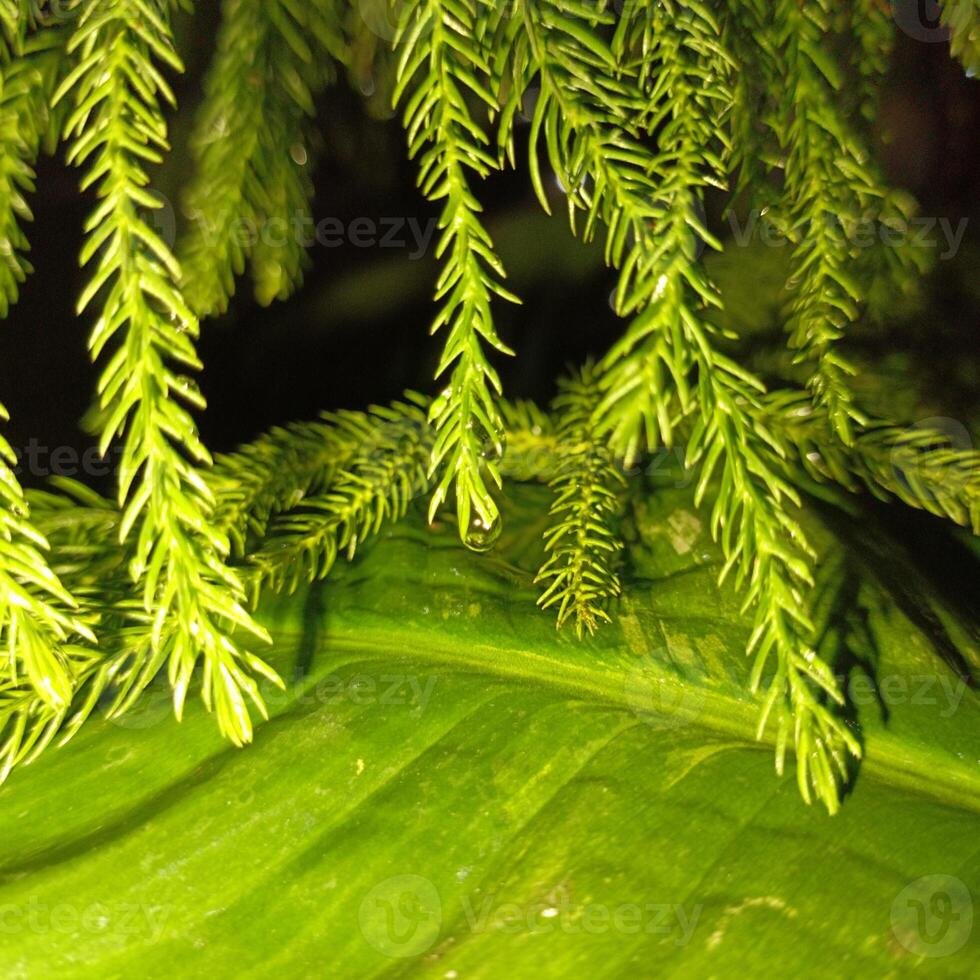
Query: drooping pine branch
point(27, 82)
point(589, 120)
point(441, 65)
point(831, 187)
point(665, 287)
point(87, 557)
point(41, 629)
point(579, 575)
point(766, 549)
point(194, 600)
point(251, 194)
point(18, 149)
point(873, 25)
point(753, 152)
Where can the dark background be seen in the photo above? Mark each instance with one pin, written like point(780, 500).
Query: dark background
point(357, 331)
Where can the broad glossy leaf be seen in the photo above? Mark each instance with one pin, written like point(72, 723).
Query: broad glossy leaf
point(450, 788)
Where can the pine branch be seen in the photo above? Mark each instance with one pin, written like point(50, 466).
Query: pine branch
point(27, 81)
point(579, 573)
point(765, 547)
point(83, 529)
point(532, 452)
point(662, 281)
point(40, 625)
point(830, 186)
point(440, 64)
point(919, 466)
point(962, 19)
point(86, 556)
point(250, 197)
point(38, 616)
point(117, 126)
point(277, 471)
point(387, 471)
point(753, 153)
point(873, 26)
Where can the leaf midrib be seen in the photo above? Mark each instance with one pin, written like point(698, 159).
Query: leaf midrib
point(887, 758)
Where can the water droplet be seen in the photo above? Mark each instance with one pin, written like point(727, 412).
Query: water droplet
point(481, 536)
point(492, 449)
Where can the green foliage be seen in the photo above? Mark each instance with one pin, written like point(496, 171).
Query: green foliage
point(918, 465)
point(962, 19)
point(635, 112)
point(250, 199)
point(386, 470)
point(28, 74)
point(439, 738)
point(580, 573)
point(874, 31)
point(441, 61)
point(117, 127)
point(826, 177)
point(274, 473)
point(41, 629)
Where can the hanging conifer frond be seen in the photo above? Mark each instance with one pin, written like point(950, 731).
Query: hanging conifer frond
point(41, 629)
point(664, 285)
point(830, 187)
point(27, 82)
point(579, 574)
point(441, 60)
point(634, 112)
point(252, 193)
point(117, 126)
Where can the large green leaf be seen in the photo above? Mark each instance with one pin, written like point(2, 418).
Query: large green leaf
point(450, 788)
